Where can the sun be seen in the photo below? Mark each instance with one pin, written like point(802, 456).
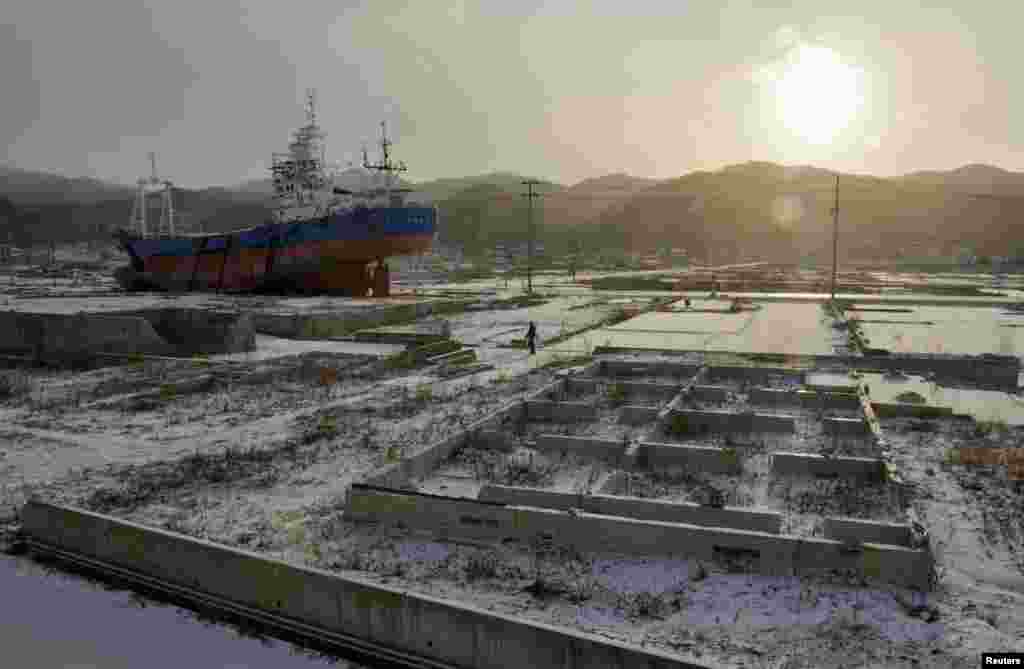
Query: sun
point(818, 95)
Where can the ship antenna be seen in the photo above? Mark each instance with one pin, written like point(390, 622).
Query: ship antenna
point(311, 106)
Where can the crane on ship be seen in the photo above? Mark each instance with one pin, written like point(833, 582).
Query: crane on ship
point(147, 189)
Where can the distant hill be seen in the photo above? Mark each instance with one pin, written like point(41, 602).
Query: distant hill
point(769, 210)
point(975, 179)
point(26, 187)
point(583, 202)
point(749, 210)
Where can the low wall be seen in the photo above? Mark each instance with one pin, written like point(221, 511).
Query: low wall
point(518, 496)
point(867, 531)
point(628, 389)
point(420, 465)
point(698, 422)
point(846, 427)
point(635, 507)
point(627, 368)
point(808, 464)
point(455, 633)
point(995, 371)
point(605, 449)
point(636, 415)
point(541, 410)
point(497, 440)
point(669, 457)
point(453, 518)
point(682, 395)
point(802, 398)
point(759, 375)
point(709, 393)
point(615, 484)
point(895, 410)
point(686, 513)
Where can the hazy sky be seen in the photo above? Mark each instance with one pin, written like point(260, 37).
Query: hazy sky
point(562, 90)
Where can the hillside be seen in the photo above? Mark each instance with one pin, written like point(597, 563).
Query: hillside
point(752, 210)
point(769, 210)
point(29, 187)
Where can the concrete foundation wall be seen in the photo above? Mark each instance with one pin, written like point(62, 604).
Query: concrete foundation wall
point(498, 440)
point(867, 531)
point(669, 457)
point(802, 398)
point(605, 449)
point(684, 512)
point(709, 393)
point(420, 465)
point(627, 368)
point(450, 632)
point(451, 518)
point(989, 370)
point(846, 427)
point(699, 422)
point(615, 484)
point(807, 464)
point(635, 507)
point(765, 376)
point(517, 496)
point(894, 410)
point(541, 410)
point(636, 415)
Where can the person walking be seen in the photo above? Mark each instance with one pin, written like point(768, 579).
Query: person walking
point(531, 338)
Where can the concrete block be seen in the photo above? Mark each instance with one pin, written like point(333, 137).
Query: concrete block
point(444, 631)
point(693, 458)
point(541, 410)
point(867, 531)
point(846, 427)
point(636, 415)
point(605, 449)
point(808, 464)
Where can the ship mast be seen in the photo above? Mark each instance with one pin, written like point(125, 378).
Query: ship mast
point(386, 166)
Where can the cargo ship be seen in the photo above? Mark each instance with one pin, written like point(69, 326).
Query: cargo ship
point(321, 239)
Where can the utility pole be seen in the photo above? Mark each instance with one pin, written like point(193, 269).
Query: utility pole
point(835, 237)
point(530, 195)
